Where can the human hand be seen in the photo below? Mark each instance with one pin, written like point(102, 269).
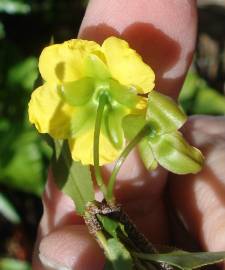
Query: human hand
point(163, 32)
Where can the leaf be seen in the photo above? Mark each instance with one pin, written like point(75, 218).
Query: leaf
point(185, 260)
point(174, 153)
point(196, 97)
point(204, 104)
point(2, 31)
point(13, 7)
point(163, 113)
point(109, 225)
point(23, 74)
point(20, 145)
point(8, 210)
point(118, 255)
point(73, 178)
point(13, 264)
point(108, 265)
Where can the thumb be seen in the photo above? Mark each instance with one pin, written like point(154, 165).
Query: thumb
point(164, 34)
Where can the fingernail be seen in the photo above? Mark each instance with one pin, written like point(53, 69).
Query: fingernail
point(50, 264)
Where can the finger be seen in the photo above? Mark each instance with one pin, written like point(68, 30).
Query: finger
point(71, 247)
point(199, 198)
point(147, 26)
point(163, 32)
point(134, 29)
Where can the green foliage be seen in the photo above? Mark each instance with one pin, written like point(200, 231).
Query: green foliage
point(118, 255)
point(197, 97)
point(8, 210)
point(2, 31)
point(14, 7)
point(21, 163)
point(73, 178)
point(185, 260)
point(13, 264)
point(23, 74)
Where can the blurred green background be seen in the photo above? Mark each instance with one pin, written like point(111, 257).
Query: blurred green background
point(25, 28)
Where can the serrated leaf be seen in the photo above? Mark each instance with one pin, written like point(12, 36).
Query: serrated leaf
point(73, 178)
point(185, 260)
point(118, 255)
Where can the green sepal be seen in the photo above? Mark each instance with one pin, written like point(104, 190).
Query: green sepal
point(174, 153)
point(113, 123)
point(163, 113)
point(147, 155)
point(132, 124)
point(95, 68)
point(185, 260)
point(83, 119)
point(78, 92)
point(123, 94)
point(72, 178)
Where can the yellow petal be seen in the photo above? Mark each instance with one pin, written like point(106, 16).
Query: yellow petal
point(49, 113)
point(65, 62)
point(126, 65)
point(82, 149)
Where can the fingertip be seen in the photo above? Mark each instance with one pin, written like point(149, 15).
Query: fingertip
point(71, 247)
point(163, 32)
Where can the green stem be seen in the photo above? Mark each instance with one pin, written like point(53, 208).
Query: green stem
point(143, 132)
point(102, 241)
point(98, 121)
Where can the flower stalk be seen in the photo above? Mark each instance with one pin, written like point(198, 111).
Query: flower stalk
point(98, 121)
point(142, 133)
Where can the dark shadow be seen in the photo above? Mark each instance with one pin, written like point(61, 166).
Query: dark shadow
point(60, 70)
point(157, 49)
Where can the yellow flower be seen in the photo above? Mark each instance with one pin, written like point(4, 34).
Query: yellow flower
point(75, 74)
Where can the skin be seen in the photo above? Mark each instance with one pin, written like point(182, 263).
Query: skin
point(164, 33)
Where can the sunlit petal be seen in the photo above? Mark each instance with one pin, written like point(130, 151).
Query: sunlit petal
point(127, 66)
